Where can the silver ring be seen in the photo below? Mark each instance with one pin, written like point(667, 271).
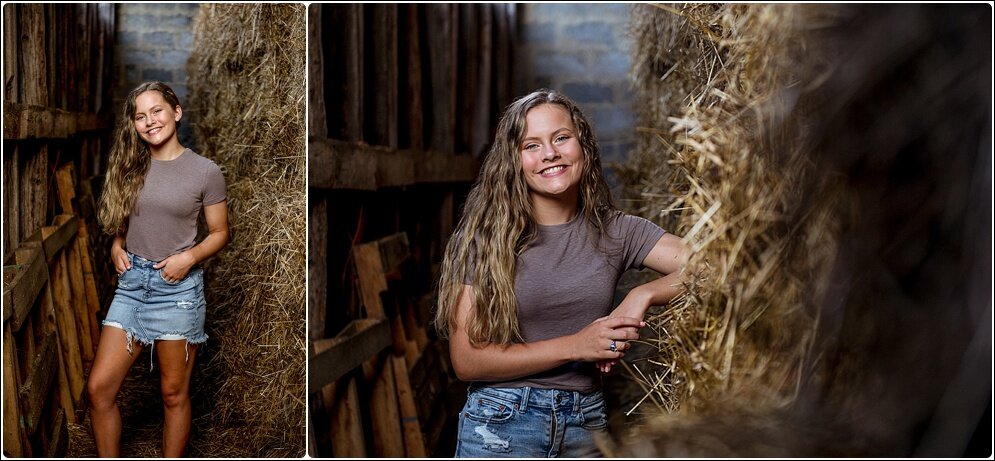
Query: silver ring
point(612, 346)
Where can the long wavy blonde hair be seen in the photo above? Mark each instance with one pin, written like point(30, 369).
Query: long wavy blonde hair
point(129, 162)
point(497, 225)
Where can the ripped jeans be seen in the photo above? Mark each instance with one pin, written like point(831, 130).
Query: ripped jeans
point(148, 308)
point(529, 422)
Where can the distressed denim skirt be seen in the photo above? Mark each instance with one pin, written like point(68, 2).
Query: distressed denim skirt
point(148, 308)
point(529, 422)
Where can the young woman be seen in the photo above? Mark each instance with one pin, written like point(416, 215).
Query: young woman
point(528, 281)
point(154, 193)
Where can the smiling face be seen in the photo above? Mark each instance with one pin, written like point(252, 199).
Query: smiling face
point(552, 157)
point(155, 120)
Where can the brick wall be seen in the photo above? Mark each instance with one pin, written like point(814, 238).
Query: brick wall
point(583, 51)
point(154, 41)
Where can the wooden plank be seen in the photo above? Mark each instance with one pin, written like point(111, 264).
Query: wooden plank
point(66, 323)
point(58, 235)
point(24, 278)
point(34, 189)
point(467, 80)
point(11, 187)
point(82, 313)
point(50, 325)
point(13, 444)
point(24, 121)
point(415, 109)
point(369, 269)
point(414, 329)
point(59, 441)
point(317, 122)
point(394, 250)
point(337, 164)
point(35, 390)
point(360, 340)
point(441, 36)
point(89, 282)
point(387, 436)
point(414, 444)
point(66, 187)
point(11, 51)
point(348, 440)
point(503, 44)
point(480, 121)
point(317, 265)
point(382, 119)
point(105, 37)
point(33, 56)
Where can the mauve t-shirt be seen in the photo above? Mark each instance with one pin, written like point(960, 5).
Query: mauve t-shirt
point(164, 219)
point(566, 280)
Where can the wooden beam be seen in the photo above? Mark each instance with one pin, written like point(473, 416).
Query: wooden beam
point(360, 340)
point(13, 444)
point(55, 237)
point(34, 393)
point(24, 121)
point(387, 439)
point(348, 440)
point(414, 444)
point(337, 164)
point(369, 269)
point(317, 122)
point(23, 280)
point(317, 264)
point(66, 323)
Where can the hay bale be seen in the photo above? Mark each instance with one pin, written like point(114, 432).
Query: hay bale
point(247, 81)
point(783, 141)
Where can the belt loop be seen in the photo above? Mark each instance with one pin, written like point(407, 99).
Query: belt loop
point(525, 399)
point(576, 402)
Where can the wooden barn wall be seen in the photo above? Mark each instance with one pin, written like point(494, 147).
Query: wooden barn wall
point(56, 65)
point(403, 102)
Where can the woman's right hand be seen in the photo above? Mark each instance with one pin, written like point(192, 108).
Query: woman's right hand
point(593, 343)
point(120, 258)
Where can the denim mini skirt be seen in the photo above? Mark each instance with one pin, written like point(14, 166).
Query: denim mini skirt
point(529, 422)
point(148, 308)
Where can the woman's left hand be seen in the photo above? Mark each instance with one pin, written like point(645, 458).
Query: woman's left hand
point(176, 267)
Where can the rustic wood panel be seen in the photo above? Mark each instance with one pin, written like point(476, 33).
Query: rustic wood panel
point(33, 56)
point(317, 122)
point(387, 435)
point(341, 165)
point(13, 444)
point(33, 193)
point(413, 120)
point(22, 121)
point(35, 390)
point(317, 265)
point(24, 279)
point(382, 103)
point(414, 444)
point(360, 340)
point(11, 52)
point(348, 439)
point(12, 192)
point(441, 36)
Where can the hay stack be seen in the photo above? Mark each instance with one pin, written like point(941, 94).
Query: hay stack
point(808, 154)
point(247, 80)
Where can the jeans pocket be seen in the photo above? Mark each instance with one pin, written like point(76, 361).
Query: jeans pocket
point(595, 414)
point(486, 409)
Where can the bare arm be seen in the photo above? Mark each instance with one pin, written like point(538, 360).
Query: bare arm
point(175, 267)
point(668, 256)
point(497, 362)
point(119, 256)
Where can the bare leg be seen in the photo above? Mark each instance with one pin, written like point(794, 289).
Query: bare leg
point(175, 368)
point(110, 366)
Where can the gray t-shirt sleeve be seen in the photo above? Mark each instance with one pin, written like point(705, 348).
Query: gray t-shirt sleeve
point(639, 236)
point(214, 185)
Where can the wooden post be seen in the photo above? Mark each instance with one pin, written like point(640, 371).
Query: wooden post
point(414, 444)
point(384, 55)
point(80, 309)
point(11, 51)
point(387, 438)
point(49, 323)
point(13, 443)
point(317, 122)
point(34, 192)
point(317, 264)
point(346, 429)
point(89, 282)
point(441, 35)
point(66, 320)
point(415, 115)
point(33, 57)
point(11, 188)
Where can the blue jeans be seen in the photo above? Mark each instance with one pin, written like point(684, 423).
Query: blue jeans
point(528, 422)
point(148, 308)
